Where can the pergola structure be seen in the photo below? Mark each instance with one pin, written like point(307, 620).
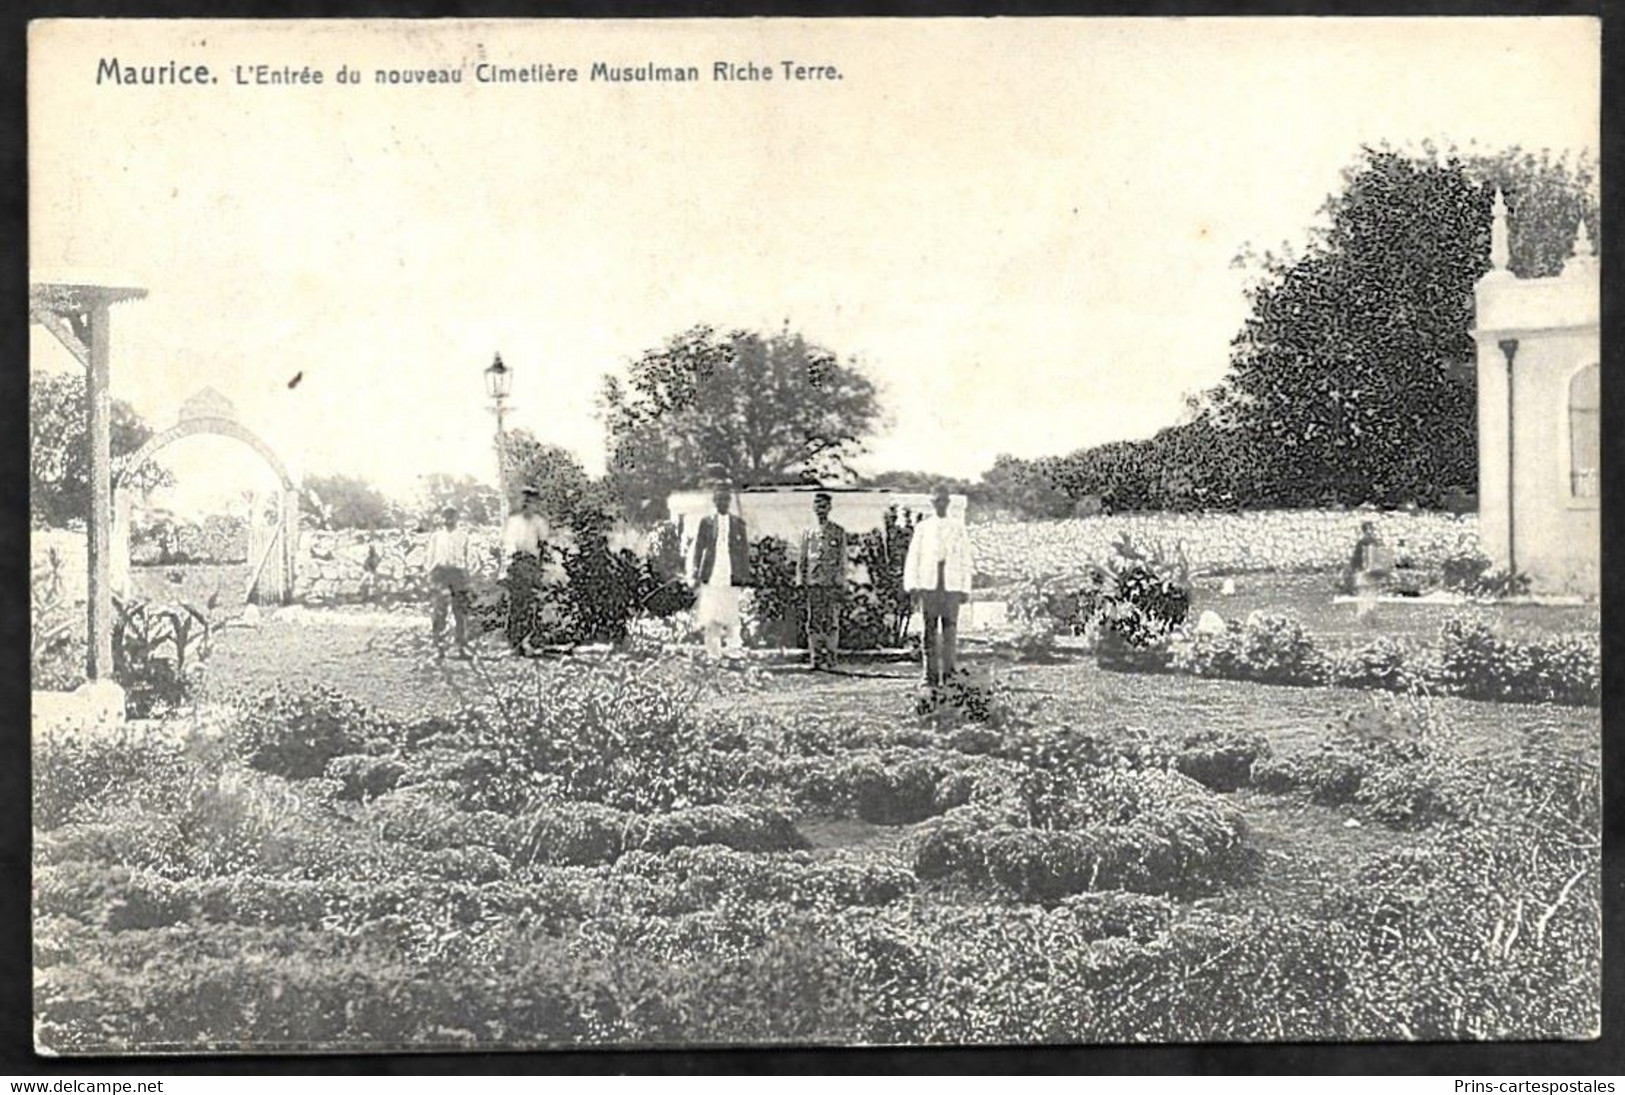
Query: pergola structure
point(77, 313)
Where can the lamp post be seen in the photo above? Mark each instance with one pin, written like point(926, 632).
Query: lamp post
point(498, 383)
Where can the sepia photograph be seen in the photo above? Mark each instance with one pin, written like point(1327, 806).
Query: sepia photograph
point(610, 534)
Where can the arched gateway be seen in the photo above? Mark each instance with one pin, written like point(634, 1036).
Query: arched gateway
point(273, 535)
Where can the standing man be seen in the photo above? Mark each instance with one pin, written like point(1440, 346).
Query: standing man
point(449, 564)
point(938, 573)
point(821, 573)
point(1367, 571)
point(524, 539)
point(719, 566)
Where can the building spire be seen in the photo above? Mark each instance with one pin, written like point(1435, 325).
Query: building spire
point(1500, 245)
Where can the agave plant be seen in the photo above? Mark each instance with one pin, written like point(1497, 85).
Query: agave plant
point(1143, 592)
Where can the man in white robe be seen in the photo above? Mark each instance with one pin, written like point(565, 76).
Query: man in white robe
point(718, 568)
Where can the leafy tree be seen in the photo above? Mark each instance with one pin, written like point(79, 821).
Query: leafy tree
point(918, 482)
point(774, 409)
point(1343, 380)
point(477, 503)
point(59, 448)
point(338, 501)
point(1024, 488)
point(565, 487)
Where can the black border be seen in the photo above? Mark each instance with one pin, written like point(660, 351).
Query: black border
point(1605, 1057)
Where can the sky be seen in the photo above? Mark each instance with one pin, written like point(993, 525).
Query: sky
point(1023, 230)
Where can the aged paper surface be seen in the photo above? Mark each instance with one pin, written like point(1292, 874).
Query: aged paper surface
point(1255, 362)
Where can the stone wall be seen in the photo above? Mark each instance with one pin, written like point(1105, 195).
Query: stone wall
point(1266, 540)
point(332, 567)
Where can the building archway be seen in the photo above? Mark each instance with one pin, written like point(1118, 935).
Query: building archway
point(273, 537)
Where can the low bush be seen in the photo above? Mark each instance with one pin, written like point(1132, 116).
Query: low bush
point(1381, 663)
point(1473, 660)
point(296, 733)
point(1270, 648)
point(421, 820)
point(1113, 914)
point(742, 828)
point(73, 771)
point(1331, 776)
point(1221, 760)
point(625, 735)
point(1147, 831)
point(989, 701)
point(362, 777)
point(1474, 574)
point(1428, 791)
point(698, 877)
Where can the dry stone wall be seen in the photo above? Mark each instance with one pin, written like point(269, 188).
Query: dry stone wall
point(386, 565)
point(1216, 542)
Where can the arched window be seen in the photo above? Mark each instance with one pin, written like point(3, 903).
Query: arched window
point(1584, 426)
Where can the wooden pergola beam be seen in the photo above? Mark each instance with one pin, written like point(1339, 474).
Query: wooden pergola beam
point(77, 315)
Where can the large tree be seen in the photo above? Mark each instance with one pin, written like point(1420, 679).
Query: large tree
point(59, 448)
point(338, 501)
point(1347, 380)
point(758, 409)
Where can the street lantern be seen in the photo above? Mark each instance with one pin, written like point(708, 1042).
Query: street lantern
point(498, 380)
point(498, 383)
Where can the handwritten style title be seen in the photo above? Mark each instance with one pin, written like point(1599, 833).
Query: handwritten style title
point(113, 71)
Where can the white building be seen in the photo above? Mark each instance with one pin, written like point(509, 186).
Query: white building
point(1539, 418)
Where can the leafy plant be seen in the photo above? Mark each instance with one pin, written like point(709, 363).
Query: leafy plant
point(1143, 592)
point(156, 682)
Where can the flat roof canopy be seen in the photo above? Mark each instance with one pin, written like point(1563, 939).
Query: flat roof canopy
point(76, 295)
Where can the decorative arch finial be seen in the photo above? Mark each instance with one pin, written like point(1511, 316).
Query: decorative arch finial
point(208, 403)
point(1583, 258)
point(1500, 237)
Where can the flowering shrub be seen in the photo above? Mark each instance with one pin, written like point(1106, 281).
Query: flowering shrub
point(1032, 623)
point(1270, 648)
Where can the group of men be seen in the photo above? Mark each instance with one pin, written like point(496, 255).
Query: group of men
point(937, 575)
point(450, 564)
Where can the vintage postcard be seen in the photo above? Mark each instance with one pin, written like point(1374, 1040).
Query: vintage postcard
point(849, 532)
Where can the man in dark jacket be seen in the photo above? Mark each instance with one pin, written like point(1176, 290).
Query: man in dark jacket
point(719, 567)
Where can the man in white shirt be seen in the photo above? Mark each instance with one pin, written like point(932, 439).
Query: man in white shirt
point(938, 574)
point(448, 562)
point(526, 530)
point(718, 567)
point(524, 540)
